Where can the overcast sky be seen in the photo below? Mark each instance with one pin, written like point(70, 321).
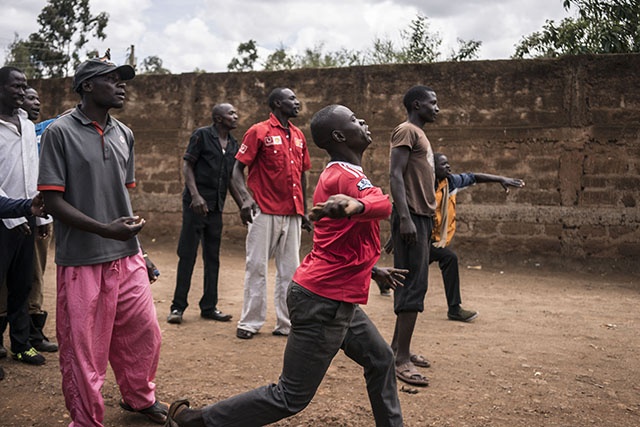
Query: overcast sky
point(190, 34)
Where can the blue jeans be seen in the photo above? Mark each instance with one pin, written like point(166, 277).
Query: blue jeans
point(319, 328)
point(196, 229)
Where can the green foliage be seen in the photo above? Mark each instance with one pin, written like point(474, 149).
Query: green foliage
point(248, 55)
point(279, 60)
point(467, 50)
point(153, 65)
point(600, 26)
point(421, 45)
point(55, 49)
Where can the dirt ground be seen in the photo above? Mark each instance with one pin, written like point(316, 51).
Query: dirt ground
point(550, 348)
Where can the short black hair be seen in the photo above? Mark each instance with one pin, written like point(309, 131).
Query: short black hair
point(275, 95)
point(321, 126)
point(6, 71)
point(413, 94)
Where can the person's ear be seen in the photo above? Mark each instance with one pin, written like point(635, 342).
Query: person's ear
point(87, 86)
point(416, 104)
point(338, 136)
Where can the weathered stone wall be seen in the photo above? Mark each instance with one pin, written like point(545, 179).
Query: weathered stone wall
point(569, 127)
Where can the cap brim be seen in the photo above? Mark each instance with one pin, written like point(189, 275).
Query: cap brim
point(126, 72)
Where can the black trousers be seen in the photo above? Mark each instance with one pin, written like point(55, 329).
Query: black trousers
point(196, 229)
point(448, 262)
point(319, 328)
point(16, 269)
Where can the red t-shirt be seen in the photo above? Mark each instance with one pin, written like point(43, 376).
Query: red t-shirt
point(344, 250)
point(276, 157)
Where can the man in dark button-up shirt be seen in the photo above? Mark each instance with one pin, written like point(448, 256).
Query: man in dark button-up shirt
point(207, 167)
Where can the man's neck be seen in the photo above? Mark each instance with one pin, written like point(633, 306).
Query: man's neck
point(95, 113)
point(223, 131)
point(283, 119)
point(415, 120)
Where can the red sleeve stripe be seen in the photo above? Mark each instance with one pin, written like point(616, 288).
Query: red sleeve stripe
point(130, 185)
point(51, 188)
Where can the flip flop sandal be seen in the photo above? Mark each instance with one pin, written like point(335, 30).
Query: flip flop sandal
point(156, 412)
point(175, 408)
point(410, 375)
point(419, 360)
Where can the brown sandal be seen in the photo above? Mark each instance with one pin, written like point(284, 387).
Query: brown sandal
point(175, 408)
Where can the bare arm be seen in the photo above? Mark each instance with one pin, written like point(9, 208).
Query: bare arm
point(123, 228)
point(306, 223)
point(503, 180)
point(398, 163)
point(198, 203)
point(241, 195)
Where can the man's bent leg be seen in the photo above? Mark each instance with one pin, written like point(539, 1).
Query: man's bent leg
point(448, 263)
point(364, 344)
point(318, 329)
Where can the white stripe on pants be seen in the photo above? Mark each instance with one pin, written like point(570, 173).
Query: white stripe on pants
point(269, 236)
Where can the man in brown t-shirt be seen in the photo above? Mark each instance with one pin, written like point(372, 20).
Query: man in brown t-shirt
point(413, 192)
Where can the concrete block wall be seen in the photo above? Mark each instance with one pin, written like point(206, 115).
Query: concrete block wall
point(569, 127)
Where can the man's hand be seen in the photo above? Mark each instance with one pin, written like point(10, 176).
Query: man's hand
point(124, 228)
point(388, 277)
point(306, 223)
point(43, 231)
point(37, 205)
point(24, 229)
point(408, 231)
point(336, 206)
point(511, 182)
point(152, 270)
point(199, 205)
point(248, 210)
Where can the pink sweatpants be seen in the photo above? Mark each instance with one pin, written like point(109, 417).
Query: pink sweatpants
point(105, 314)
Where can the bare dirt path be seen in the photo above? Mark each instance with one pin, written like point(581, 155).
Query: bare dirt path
point(550, 348)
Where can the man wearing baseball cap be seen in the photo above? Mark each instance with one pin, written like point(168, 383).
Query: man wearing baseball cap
point(105, 312)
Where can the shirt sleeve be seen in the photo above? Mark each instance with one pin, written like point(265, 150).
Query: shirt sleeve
point(249, 147)
point(402, 136)
point(461, 180)
point(53, 168)
point(194, 148)
point(14, 208)
point(130, 180)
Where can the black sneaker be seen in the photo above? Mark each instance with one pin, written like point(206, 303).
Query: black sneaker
point(463, 315)
point(31, 356)
point(3, 351)
point(175, 317)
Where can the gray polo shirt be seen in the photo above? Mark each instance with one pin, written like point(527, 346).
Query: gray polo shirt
point(93, 168)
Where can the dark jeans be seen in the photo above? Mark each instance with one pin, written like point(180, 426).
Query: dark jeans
point(319, 328)
point(196, 229)
point(415, 258)
point(448, 262)
point(16, 266)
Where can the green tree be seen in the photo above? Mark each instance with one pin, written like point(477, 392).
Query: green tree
point(153, 65)
point(248, 55)
point(279, 60)
point(467, 49)
point(421, 44)
point(600, 26)
point(55, 49)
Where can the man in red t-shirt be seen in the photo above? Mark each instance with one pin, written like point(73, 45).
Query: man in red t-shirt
point(325, 294)
point(276, 155)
